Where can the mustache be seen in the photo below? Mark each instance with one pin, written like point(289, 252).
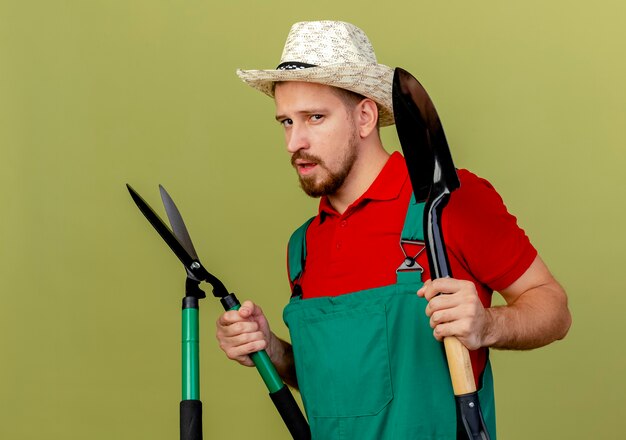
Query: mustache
point(302, 155)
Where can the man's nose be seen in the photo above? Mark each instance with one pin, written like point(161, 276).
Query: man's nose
point(297, 139)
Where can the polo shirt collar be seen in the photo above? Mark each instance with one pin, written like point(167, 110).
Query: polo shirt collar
point(386, 186)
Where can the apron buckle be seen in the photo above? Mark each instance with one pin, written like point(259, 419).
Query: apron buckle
point(410, 263)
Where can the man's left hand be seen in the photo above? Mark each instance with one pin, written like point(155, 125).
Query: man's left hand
point(456, 312)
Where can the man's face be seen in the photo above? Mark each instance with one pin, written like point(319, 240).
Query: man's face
point(321, 135)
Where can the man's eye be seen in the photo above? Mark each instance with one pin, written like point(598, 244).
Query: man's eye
point(286, 122)
point(317, 117)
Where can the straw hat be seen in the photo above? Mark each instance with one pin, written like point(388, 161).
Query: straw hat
point(333, 53)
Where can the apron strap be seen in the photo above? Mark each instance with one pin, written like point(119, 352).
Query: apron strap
point(296, 256)
point(413, 228)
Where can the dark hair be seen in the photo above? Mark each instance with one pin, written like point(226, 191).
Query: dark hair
point(351, 99)
point(348, 97)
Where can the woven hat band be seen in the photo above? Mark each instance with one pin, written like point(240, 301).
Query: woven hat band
point(294, 65)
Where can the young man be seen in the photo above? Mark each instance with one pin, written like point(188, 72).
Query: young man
point(366, 354)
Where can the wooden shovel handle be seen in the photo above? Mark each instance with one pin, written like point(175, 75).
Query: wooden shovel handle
point(460, 366)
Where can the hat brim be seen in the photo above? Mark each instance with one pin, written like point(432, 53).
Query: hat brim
point(373, 81)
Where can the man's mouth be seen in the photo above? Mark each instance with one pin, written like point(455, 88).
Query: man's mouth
point(304, 167)
point(304, 163)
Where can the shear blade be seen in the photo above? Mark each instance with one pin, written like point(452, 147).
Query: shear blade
point(177, 222)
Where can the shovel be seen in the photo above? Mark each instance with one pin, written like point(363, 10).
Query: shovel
point(433, 178)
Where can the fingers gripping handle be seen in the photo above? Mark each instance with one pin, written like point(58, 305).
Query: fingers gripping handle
point(260, 358)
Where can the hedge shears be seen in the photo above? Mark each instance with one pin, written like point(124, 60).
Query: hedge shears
point(180, 243)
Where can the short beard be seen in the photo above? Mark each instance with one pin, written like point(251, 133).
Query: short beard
point(334, 180)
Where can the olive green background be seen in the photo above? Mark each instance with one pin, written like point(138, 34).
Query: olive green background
point(98, 93)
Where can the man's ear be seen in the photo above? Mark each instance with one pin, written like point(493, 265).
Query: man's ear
point(367, 117)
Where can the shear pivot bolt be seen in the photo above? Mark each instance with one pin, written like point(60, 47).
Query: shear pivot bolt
point(195, 265)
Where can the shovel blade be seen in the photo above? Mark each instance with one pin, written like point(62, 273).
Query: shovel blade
point(422, 138)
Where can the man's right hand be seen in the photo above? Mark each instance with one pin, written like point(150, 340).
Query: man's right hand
point(246, 331)
point(243, 332)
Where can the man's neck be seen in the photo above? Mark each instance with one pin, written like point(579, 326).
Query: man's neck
point(364, 171)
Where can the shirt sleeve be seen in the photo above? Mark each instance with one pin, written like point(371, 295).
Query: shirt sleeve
point(484, 236)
